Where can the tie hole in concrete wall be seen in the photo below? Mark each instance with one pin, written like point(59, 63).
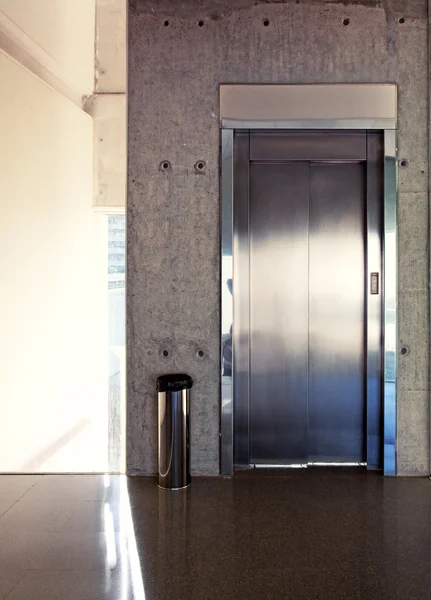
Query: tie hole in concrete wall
point(200, 166)
point(266, 22)
point(403, 163)
point(165, 165)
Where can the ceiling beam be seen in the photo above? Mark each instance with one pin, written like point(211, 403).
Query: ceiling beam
point(15, 42)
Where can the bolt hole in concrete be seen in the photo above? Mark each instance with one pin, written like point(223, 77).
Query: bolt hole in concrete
point(403, 162)
point(200, 165)
point(165, 165)
point(401, 20)
point(201, 353)
point(200, 23)
point(166, 23)
point(404, 350)
point(346, 22)
point(165, 353)
point(265, 22)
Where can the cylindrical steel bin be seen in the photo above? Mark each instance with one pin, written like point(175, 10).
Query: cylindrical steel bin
point(174, 430)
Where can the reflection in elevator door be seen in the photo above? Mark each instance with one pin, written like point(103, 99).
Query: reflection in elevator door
point(336, 398)
point(307, 349)
point(279, 225)
point(307, 336)
point(306, 313)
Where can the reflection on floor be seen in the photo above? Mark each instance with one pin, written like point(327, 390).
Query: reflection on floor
point(316, 534)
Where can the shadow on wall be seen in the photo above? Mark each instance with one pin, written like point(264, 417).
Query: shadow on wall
point(35, 464)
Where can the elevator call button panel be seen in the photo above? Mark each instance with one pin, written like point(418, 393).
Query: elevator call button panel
point(374, 283)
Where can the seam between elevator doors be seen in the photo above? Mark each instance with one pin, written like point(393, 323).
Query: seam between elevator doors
point(308, 312)
point(249, 297)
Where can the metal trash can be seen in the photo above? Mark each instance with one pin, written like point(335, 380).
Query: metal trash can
point(174, 430)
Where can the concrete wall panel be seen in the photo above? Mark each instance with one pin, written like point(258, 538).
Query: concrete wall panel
point(173, 216)
point(412, 241)
point(413, 367)
point(412, 80)
point(413, 437)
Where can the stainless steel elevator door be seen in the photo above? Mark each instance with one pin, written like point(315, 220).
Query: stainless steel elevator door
point(336, 395)
point(279, 312)
point(307, 261)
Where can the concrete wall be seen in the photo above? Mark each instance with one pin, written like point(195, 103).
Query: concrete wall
point(173, 216)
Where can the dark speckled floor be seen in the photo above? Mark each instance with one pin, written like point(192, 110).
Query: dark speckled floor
point(317, 534)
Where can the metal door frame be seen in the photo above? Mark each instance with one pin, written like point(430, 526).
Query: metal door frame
point(335, 106)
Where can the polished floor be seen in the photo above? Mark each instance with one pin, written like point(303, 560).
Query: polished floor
point(308, 535)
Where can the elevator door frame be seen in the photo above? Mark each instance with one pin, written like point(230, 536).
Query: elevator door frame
point(327, 107)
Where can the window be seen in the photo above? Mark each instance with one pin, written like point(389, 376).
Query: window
point(116, 340)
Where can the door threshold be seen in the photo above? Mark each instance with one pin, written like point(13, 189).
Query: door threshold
point(307, 465)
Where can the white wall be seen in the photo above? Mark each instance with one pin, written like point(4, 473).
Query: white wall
point(64, 28)
point(53, 318)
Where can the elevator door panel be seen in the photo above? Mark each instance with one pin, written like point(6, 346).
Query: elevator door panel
point(302, 362)
point(279, 223)
point(336, 403)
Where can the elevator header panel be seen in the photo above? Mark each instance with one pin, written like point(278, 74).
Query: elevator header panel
point(340, 106)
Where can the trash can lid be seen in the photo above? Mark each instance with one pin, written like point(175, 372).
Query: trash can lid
point(174, 383)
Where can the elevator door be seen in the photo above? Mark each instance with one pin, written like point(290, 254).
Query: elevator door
point(307, 304)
